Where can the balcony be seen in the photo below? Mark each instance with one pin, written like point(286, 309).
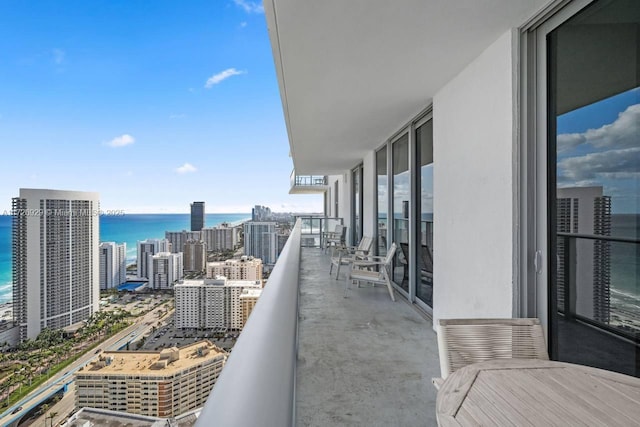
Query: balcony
point(316, 358)
point(307, 184)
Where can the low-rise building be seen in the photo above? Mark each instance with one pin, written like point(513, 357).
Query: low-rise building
point(159, 384)
point(245, 268)
point(248, 300)
point(210, 303)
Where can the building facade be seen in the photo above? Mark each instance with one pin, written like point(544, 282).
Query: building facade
point(245, 268)
point(146, 249)
point(261, 241)
point(113, 264)
point(165, 268)
point(164, 383)
point(197, 216)
point(248, 300)
point(414, 156)
point(210, 303)
point(195, 255)
point(179, 238)
point(221, 238)
point(55, 259)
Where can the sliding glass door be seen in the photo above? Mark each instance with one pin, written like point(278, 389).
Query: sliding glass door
point(590, 76)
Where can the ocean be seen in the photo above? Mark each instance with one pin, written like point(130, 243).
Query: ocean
point(625, 257)
point(125, 228)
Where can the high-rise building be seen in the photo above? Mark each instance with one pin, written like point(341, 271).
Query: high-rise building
point(163, 383)
point(245, 268)
point(221, 238)
point(248, 300)
point(113, 264)
point(585, 210)
point(55, 259)
point(164, 269)
point(178, 239)
point(261, 213)
point(148, 248)
point(195, 255)
point(197, 216)
point(210, 303)
point(260, 241)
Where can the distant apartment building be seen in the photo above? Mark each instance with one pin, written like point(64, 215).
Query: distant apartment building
point(260, 213)
point(146, 249)
point(221, 238)
point(113, 264)
point(585, 210)
point(210, 303)
point(245, 268)
point(55, 259)
point(282, 240)
point(153, 383)
point(261, 241)
point(164, 269)
point(194, 255)
point(197, 216)
point(179, 238)
point(248, 300)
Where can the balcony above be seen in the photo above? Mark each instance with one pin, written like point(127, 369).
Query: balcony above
point(308, 184)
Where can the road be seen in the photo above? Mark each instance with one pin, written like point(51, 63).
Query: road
point(140, 327)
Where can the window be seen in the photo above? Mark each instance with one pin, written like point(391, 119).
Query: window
point(382, 191)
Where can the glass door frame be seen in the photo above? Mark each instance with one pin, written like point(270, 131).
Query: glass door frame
point(356, 223)
point(532, 297)
point(416, 198)
point(409, 294)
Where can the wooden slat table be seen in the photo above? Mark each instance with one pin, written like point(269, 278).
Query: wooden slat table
point(523, 392)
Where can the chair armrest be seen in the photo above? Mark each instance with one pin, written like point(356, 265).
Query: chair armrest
point(366, 263)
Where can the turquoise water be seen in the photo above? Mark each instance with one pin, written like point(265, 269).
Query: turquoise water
point(119, 229)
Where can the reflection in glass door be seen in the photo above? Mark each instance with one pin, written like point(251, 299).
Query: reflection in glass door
point(424, 243)
point(401, 199)
point(382, 201)
point(593, 138)
point(356, 205)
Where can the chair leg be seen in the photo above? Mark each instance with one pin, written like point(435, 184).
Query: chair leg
point(346, 286)
point(338, 269)
point(330, 268)
point(389, 287)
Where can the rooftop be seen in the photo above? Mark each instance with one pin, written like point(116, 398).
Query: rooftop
point(151, 362)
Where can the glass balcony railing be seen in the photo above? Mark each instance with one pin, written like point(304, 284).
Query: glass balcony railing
point(307, 183)
point(313, 229)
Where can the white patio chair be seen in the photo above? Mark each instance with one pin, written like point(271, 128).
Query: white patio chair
point(374, 269)
point(462, 342)
point(335, 238)
point(348, 254)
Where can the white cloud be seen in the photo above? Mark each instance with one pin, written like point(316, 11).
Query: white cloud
point(223, 75)
point(614, 164)
point(121, 141)
point(622, 133)
point(58, 56)
point(250, 6)
point(186, 168)
point(243, 24)
point(177, 116)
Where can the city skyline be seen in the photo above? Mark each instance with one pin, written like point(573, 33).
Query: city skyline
point(122, 98)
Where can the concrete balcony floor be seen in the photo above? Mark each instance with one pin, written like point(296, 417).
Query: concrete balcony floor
point(362, 360)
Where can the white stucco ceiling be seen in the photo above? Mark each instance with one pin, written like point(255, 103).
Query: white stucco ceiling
point(351, 72)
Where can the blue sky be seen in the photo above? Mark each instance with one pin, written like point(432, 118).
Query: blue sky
point(152, 104)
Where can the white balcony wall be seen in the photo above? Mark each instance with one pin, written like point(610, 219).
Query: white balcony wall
point(474, 187)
